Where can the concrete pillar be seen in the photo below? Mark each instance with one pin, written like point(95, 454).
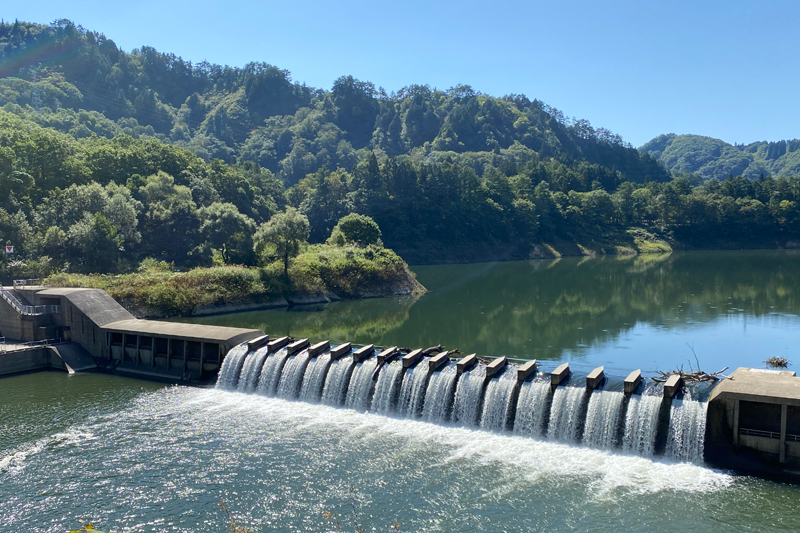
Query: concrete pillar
point(495, 367)
point(320, 347)
point(465, 363)
point(672, 385)
point(438, 360)
point(277, 344)
point(411, 358)
point(296, 346)
point(363, 353)
point(526, 370)
point(560, 374)
point(782, 457)
point(340, 351)
point(632, 381)
point(388, 354)
point(595, 378)
point(736, 422)
point(138, 352)
point(258, 342)
point(185, 352)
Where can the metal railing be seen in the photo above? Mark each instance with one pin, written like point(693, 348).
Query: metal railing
point(768, 434)
point(20, 346)
point(25, 309)
point(24, 282)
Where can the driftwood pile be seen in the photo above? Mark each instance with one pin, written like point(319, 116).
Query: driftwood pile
point(693, 376)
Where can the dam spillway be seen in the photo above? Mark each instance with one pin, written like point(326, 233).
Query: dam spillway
point(506, 398)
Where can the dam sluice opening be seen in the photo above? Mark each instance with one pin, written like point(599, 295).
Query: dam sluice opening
point(490, 397)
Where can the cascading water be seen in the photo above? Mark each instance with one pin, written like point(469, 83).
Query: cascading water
point(229, 372)
point(468, 400)
point(387, 387)
point(292, 375)
point(602, 419)
point(438, 396)
point(412, 392)
point(314, 378)
point(336, 383)
point(468, 396)
point(565, 413)
point(495, 401)
point(687, 428)
point(641, 424)
point(531, 408)
point(358, 393)
point(248, 377)
point(271, 373)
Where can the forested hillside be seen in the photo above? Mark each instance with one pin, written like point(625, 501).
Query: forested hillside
point(712, 158)
point(108, 158)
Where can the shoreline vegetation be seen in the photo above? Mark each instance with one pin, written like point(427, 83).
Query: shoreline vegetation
point(321, 273)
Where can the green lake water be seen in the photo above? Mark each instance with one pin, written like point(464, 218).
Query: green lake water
point(135, 456)
point(649, 312)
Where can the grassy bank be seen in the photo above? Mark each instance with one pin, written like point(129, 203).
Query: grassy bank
point(338, 272)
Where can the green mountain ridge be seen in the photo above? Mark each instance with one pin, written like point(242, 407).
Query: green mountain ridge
point(79, 82)
point(713, 158)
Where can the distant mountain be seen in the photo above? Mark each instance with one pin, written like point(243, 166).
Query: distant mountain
point(714, 158)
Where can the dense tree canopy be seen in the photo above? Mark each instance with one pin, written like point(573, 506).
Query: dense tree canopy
point(109, 157)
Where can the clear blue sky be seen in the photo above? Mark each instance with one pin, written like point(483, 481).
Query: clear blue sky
point(640, 68)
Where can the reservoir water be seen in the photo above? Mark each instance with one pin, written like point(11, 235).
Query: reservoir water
point(138, 456)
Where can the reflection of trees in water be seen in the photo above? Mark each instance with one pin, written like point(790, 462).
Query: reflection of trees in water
point(361, 321)
point(560, 305)
point(574, 303)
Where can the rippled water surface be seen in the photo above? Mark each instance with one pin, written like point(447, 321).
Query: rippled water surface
point(143, 457)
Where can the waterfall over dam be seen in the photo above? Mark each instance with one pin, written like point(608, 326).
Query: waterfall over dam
point(498, 397)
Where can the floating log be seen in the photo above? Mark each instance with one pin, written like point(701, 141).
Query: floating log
point(433, 350)
point(632, 381)
point(258, 342)
point(340, 351)
point(561, 373)
point(388, 354)
point(319, 348)
point(296, 346)
point(438, 360)
point(465, 363)
point(526, 370)
point(277, 344)
point(495, 367)
point(363, 353)
point(411, 358)
point(672, 385)
point(595, 378)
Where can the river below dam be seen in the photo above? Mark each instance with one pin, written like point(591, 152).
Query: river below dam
point(286, 439)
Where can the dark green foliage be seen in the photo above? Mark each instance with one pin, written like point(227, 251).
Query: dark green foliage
point(356, 229)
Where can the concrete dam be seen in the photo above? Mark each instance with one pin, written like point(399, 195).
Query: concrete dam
point(749, 421)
